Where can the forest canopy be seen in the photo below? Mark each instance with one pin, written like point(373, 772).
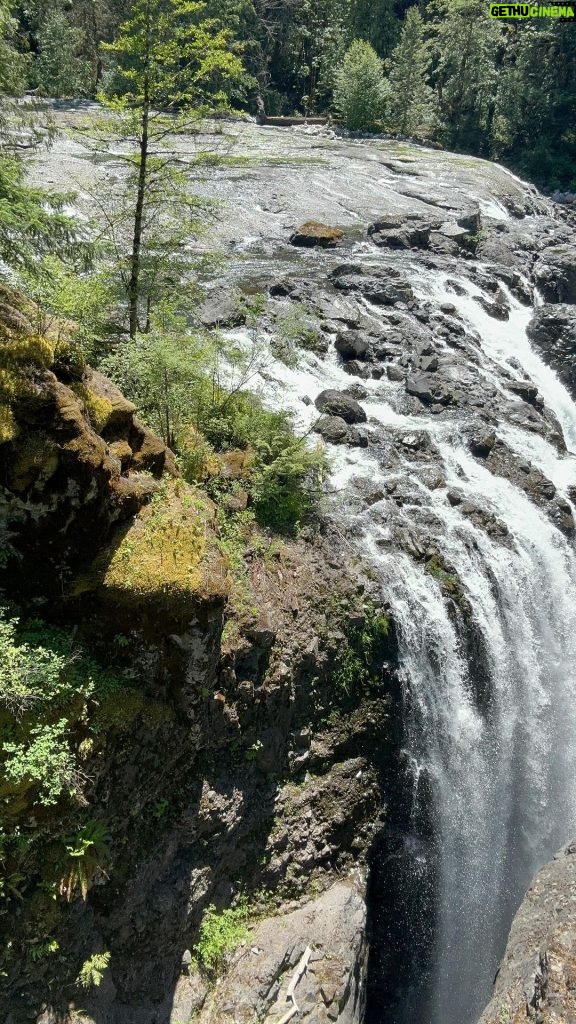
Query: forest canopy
point(448, 73)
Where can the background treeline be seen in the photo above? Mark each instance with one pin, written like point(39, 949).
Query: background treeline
point(441, 70)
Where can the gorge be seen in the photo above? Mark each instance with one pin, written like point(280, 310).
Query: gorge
point(430, 348)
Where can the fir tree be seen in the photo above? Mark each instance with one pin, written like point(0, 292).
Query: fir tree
point(411, 102)
point(360, 91)
point(58, 70)
point(174, 65)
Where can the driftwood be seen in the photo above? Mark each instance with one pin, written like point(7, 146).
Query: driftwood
point(283, 122)
point(299, 970)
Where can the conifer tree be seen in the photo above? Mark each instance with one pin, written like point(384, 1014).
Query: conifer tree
point(360, 91)
point(411, 101)
point(174, 65)
point(58, 68)
point(32, 221)
point(464, 46)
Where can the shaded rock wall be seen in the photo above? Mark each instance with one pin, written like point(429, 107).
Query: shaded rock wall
point(536, 981)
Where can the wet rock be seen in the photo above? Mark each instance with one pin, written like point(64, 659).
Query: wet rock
point(313, 233)
point(396, 232)
point(333, 429)
point(332, 928)
point(535, 981)
point(555, 273)
point(497, 310)
point(352, 345)
point(395, 373)
point(482, 444)
point(421, 385)
point(222, 309)
point(336, 403)
point(356, 369)
point(553, 332)
point(527, 391)
point(357, 391)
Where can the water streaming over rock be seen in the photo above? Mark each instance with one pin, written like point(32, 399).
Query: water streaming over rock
point(493, 729)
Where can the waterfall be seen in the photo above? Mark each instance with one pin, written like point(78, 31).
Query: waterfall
point(492, 731)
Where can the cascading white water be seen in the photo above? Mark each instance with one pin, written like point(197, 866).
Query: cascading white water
point(501, 768)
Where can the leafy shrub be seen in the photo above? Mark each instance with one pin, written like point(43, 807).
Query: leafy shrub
point(173, 380)
point(44, 760)
point(357, 670)
point(220, 933)
point(360, 90)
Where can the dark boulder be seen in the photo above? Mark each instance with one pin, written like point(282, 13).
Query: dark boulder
point(497, 310)
point(552, 331)
point(336, 403)
point(357, 369)
point(351, 345)
point(555, 273)
point(333, 429)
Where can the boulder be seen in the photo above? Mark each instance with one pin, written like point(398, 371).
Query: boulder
point(351, 345)
point(332, 428)
point(552, 331)
point(482, 444)
point(357, 369)
point(497, 310)
point(555, 273)
point(222, 309)
point(313, 233)
point(336, 403)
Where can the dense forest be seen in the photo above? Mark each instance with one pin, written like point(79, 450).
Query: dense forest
point(442, 70)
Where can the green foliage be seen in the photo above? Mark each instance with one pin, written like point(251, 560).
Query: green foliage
point(411, 100)
point(32, 220)
point(170, 379)
point(45, 761)
point(464, 48)
point(377, 22)
point(92, 971)
point(358, 667)
point(45, 685)
point(85, 852)
point(58, 70)
point(221, 932)
point(360, 91)
point(173, 64)
point(173, 379)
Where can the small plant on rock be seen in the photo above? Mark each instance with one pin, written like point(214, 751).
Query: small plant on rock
point(221, 931)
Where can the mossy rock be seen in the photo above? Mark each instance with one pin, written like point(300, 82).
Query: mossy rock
point(166, 560)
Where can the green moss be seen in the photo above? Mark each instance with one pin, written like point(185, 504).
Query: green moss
point(99, 409)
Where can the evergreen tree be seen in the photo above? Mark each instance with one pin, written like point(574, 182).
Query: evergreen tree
point(360, 91)
point(174, 66)
point(377, 22)
point(534, 124)
point(411, 102)
point(32, 221)
point(58, 70)
point(465, 45)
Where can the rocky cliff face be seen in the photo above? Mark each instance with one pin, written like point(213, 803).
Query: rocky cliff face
point(536, 981)
point(245, 751)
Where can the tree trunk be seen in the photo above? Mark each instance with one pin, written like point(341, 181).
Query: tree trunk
point(134, 283)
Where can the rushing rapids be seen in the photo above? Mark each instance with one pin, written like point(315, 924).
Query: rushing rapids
point(458, 490)
point(489, 731)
